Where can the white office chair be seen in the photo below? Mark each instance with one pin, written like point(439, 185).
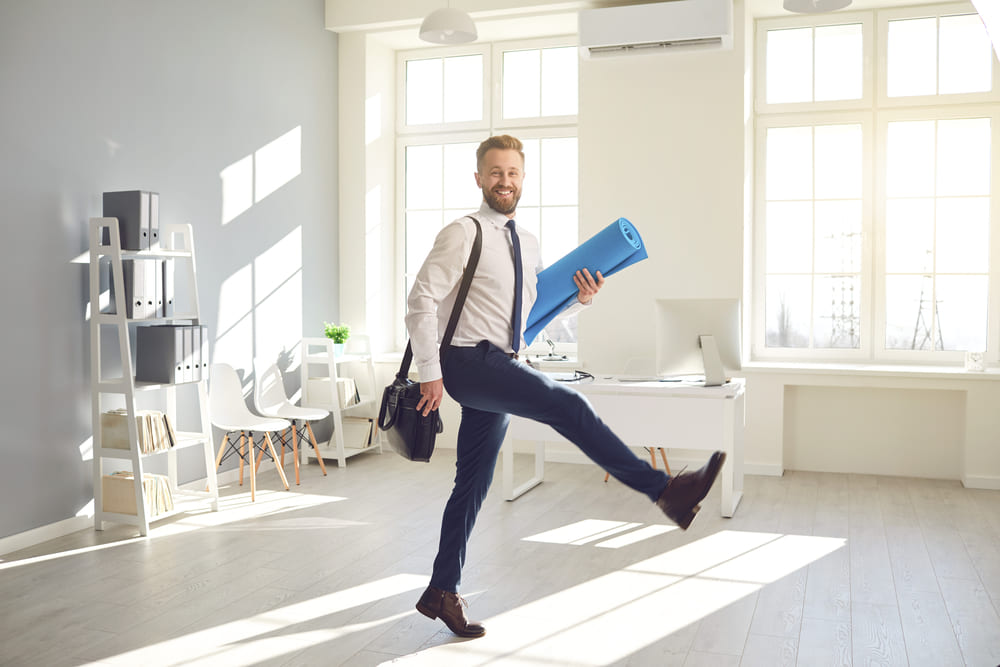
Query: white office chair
point(229, 412)
point(270, 399)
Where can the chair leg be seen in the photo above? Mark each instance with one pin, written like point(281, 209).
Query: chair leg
point(222, 450)
point(243, 449)
point(277, 461)
point(295, 450)
point(663, 455)
point(652, 456)
point(218, 459)
point(260, 457)
point(253, 470)
point(319, 457)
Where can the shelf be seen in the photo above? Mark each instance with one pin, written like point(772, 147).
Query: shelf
point(184, 501)
point(104, 250)
point(322, 358)
point(119, 385)
point(184, 440)
point(112, 318)
point(131, 457)
point(331, 452)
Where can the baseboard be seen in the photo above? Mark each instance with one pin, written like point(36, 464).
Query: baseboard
point(763, 469)
point(30, 538)
point(990, 483)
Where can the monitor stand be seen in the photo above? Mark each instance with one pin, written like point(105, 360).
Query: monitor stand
point(715, 375)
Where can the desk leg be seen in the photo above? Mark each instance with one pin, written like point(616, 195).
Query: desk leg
point(509, 492)
point(732, 471)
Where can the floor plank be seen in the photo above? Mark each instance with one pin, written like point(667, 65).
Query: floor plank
point(814, 569)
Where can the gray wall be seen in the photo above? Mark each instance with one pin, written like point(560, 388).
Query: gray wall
point(128, 94)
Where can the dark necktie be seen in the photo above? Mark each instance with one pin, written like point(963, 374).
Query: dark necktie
point(518, 287)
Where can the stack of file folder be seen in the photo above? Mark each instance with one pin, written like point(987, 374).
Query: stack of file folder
point(149, 288)
point(171, 353)
point(156, 433)
point(119, 493)
point(138, 214)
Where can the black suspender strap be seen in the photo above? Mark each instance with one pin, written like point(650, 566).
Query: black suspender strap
point(456, 310)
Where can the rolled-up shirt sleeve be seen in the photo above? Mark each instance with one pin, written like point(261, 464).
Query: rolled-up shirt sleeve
point(436, 281)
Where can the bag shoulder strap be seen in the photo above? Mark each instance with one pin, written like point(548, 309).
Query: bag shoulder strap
point(456, 310)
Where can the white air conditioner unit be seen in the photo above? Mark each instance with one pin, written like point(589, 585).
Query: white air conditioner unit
point(656, 28)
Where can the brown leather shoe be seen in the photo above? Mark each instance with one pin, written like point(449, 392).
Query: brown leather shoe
point(679, 501)
point(436, 602)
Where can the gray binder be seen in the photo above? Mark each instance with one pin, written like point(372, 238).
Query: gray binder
point(204, 351)
point(134, 279)
point(149, 285)
point(188, 334)
point(195, 353)
point(158, 354)
point(154, 221)
point(131, 207)
point(167, 280)
point(157, 267)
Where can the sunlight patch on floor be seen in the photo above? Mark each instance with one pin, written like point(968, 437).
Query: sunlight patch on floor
point(590, 530)
point(232, 509)
point(244, 642)
point(607, 619)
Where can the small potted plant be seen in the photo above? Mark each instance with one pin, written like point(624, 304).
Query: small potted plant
point(338, 333)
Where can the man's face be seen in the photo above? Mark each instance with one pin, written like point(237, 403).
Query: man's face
point(500, 179)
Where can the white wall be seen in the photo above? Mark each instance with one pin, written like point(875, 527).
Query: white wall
point(666, 142)
point(119, 95)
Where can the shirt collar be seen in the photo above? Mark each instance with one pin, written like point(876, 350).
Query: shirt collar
point(499, 220)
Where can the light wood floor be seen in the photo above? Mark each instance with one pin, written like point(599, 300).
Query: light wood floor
point(814, 569)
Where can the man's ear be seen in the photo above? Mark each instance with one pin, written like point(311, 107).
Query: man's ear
point(479, 183)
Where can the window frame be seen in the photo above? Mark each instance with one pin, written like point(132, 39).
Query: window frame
point(497, 120)
point(541, 127)
point(885, 117)
point(938, 99)
point(762, 106)
point(875, 115)
point(759, 349)
point(442, 52)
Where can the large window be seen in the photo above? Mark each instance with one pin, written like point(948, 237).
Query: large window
point(450, 100)
point(876, 226)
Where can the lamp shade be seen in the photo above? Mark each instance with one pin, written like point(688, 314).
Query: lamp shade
point(448, 26)
point(815, 6)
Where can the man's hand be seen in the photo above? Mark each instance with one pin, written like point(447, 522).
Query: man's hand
point(431, 394)
point(587, 285)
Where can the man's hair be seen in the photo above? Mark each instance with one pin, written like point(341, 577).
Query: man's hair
point(501, 141)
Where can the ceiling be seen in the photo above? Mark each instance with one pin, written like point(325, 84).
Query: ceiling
point(560, 22)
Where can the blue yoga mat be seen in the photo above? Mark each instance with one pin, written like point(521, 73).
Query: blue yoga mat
point(609, 251)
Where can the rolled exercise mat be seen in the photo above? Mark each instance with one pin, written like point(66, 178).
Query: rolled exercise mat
point(609, 251)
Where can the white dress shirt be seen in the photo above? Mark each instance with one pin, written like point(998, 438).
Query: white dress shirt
point(490, 302)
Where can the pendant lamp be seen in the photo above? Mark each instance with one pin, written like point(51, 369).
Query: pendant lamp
point(448, 26)
point(815, 6)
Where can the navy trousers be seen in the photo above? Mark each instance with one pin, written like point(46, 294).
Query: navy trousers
point(490, 386)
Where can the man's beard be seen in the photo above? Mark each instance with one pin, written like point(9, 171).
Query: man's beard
point(497, 205)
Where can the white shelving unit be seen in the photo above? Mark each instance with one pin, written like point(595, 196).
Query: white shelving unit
point(176, 243)
point(318, 353)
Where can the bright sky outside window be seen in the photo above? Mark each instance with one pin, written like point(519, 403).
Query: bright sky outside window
point(926, 269)
point(539, 93)
point(814, 64)
point(946, 55)
point(444, 90)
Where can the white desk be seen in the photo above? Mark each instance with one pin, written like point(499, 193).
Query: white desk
point(651, 414)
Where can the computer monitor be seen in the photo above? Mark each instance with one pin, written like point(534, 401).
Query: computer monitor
point(681, 325)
